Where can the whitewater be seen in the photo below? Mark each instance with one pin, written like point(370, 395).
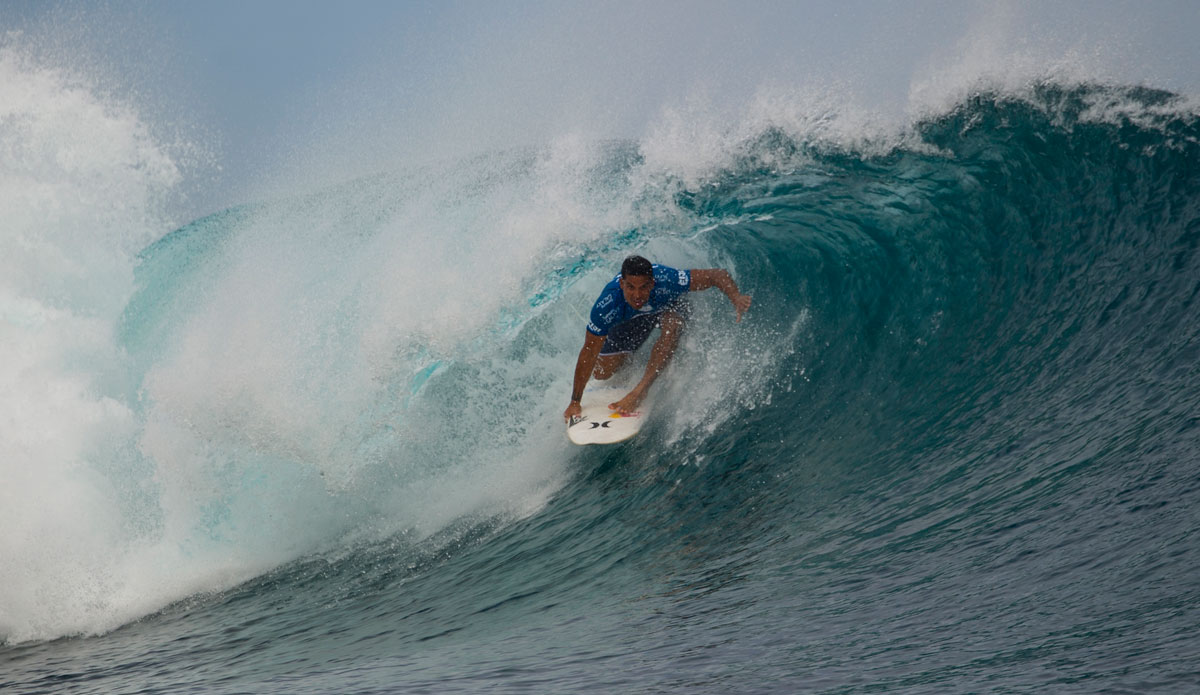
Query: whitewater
point(312, 442)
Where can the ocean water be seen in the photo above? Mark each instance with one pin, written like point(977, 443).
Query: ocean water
point(313, 444)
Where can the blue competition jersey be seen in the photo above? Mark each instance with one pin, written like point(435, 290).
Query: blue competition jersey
point(611, 308)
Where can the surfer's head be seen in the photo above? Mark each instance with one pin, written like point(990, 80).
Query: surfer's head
point(637, 280)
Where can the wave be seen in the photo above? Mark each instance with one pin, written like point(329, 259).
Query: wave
point(958, 325)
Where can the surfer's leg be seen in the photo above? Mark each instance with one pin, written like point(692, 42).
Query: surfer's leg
point(672, 324)
point(607, 365)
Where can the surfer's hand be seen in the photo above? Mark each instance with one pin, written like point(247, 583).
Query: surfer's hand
point(572, 410)
point(628, 404)
point(741, 303)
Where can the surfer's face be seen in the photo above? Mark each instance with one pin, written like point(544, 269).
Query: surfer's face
point(636, 289)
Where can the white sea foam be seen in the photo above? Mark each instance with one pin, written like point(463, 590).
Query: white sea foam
point(275, 416)
point(81, 183)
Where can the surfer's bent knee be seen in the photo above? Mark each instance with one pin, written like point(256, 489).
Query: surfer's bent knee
point(673, 322)
point(607, 365)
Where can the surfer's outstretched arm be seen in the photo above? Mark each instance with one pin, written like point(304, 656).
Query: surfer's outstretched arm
point(583, 371)
point(704, 278)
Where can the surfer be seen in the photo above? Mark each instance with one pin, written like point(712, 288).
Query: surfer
point(643, 296)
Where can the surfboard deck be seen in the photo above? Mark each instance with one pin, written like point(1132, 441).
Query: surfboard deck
point(599, 425)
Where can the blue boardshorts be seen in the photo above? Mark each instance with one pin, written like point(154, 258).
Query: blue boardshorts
point(629, 336)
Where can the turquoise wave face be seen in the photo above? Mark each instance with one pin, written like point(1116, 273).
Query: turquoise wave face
point(952, 443)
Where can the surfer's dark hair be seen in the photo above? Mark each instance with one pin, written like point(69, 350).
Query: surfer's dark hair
point(636, 266)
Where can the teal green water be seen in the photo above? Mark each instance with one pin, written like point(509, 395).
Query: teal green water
point(951, 449)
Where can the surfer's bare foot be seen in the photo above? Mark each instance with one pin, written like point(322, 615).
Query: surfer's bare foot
point(628, 404)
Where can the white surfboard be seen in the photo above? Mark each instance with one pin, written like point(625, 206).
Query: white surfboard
point(599, 425)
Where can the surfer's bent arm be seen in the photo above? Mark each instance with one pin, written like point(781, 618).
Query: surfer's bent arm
point(704, 278)
point(583, 371)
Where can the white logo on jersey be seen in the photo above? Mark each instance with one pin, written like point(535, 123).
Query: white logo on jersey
point(683, 278)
